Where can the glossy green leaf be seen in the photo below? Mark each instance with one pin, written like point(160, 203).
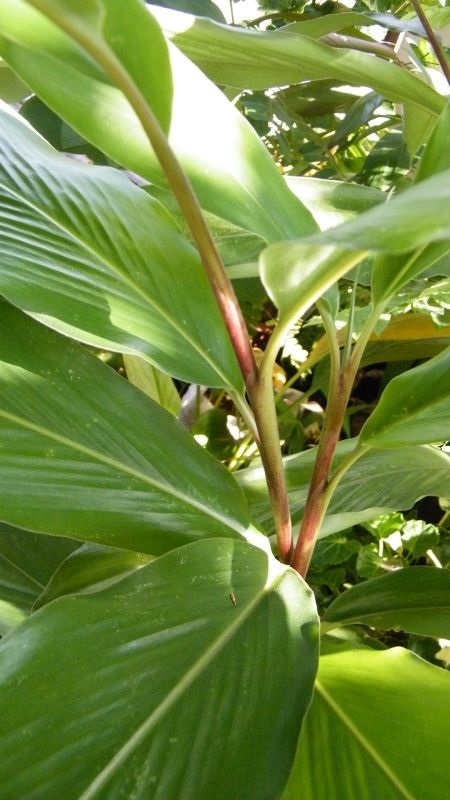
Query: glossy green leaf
point(154, 383)
point(384, 718)
point(414, 408)
point(334, 202)
point(27, 562)
point(195, 685)
point(414, 599)
point(391, 272)
point(202, 8)
point(230, 169)
point(436, 157)
point(414, 218)
point(260, 60)
point(92, 255)
point(90, 568)
point(296, 273)
point(11, 87)
point(85, 454)
point(10, 617)
point(132, 42)
point(380, 481)
point(329, 23)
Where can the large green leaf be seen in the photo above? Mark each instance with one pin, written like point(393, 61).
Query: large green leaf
point(230, 169)
point(94, 256)
point(160, 686)
point(255, 60)
point(378, 728)
point(333, 202)
point(87, 455)
point(414, 218)
point(414, 408)
point(296, 273)
point(131, 41)
point(381, 481)
point(415, 599)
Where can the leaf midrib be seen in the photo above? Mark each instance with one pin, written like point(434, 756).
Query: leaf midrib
point(363, 742)
point(117, 465)
point(124, 277)
point(22, 572)
point(394, 610)
point(174, 695)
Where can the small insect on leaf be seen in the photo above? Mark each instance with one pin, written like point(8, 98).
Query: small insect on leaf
point(233, 599)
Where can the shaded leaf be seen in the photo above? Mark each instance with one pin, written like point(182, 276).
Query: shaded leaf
point(378, 482)
point(89, 568)
point(182, 671)
point(384, 716)
point(85, 454)
point(154, 383)
point(92, 255)
point(436, 157)
point(391, 272)
point(414, 599)
point(414, 407)
point(333, 550)
point(203, 8)
point(27, 562)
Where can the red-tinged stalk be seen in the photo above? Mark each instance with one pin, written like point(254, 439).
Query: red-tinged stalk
point(265, 426)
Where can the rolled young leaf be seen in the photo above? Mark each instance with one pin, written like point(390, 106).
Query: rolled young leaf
point(384, 718)
point(204, 660)
point(414, 599)
point(414, 408)
point(92, 255)
point(86, 455)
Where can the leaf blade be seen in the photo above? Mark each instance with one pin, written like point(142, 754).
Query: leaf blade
point(414, 408)
point(84, 467)
point(225, 151)
point(415, 599)
point(178, 664)
point(403, 759)
point(93, 256)
point(379, 482)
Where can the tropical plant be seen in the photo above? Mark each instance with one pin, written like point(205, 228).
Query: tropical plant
point(162, 633)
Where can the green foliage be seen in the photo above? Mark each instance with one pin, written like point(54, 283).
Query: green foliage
point(250, 328)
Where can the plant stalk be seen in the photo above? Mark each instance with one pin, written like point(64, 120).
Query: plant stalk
point(316, 503)
point(432, 38)
point(257, 388)
point(263, 405)
point(321, 488)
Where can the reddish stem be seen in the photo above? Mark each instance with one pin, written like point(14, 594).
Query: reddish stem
point(316, 502)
